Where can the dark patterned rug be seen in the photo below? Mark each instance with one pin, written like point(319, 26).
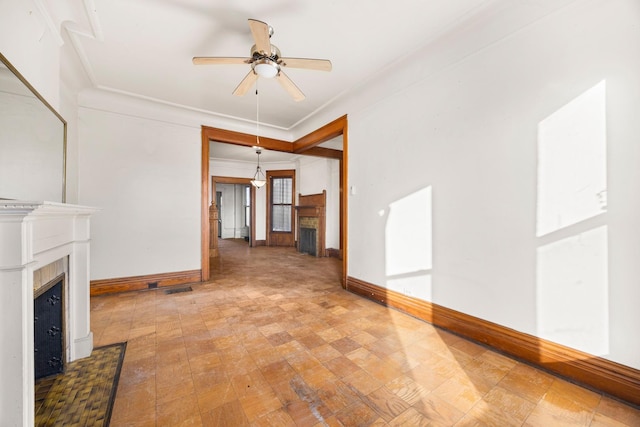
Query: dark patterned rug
point(84, 394)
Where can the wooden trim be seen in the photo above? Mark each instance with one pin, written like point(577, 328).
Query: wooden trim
point(344, 201)
point(610, 377)
point(329, 153)
point(261, 243)
point(231, 180)
point(149, 281)
point(320, 135)
point(245, 139)
point(204, 202)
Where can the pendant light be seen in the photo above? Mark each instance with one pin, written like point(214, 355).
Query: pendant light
point(259, 179)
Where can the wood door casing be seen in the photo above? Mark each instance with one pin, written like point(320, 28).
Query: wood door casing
point(280, 238)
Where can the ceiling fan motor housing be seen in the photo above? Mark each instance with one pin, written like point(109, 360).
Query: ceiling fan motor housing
point(265, 65)
point(274, 56)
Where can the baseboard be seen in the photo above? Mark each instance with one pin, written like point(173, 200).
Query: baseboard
point(260, 243)
point(610, 377)
point(149, 281)
point(334, 253)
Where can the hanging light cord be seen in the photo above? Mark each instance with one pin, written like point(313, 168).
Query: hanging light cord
point(257, 116)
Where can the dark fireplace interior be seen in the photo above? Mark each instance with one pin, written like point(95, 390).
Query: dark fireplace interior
point(48, 332)
point(308, 241)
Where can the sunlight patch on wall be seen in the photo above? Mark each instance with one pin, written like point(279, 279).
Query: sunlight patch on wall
point(408, 249)
point(572, 292)
point(572, 170)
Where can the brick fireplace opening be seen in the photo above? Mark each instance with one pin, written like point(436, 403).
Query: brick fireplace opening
point(307, 241)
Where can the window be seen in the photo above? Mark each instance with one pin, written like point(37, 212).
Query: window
point(281, 200)
point(247, 206)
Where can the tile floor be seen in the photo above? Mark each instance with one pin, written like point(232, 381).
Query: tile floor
point(83, 394)
point(273, 340)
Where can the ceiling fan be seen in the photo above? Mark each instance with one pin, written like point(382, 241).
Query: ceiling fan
point(266, 61)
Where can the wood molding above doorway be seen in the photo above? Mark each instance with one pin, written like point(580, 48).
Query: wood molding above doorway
point(307, 145)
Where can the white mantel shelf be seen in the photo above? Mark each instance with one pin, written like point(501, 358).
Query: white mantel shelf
point(33, 235)
point(7, 205)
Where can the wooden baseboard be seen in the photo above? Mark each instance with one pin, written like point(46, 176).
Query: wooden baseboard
point(335, 253)
point(149, 281)
point(610, 377)
point(260, 243)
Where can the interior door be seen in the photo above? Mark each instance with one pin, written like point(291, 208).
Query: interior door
point(280, 211)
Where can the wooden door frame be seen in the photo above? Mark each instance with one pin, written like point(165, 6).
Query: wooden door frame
point(269, 205)
point(308, 145)
point(239, 181)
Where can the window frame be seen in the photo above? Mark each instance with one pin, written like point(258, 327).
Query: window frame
point(286, 173)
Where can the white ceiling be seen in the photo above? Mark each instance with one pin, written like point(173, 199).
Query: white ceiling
point(144, 47)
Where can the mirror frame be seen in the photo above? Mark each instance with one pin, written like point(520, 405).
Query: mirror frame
point(44, 102)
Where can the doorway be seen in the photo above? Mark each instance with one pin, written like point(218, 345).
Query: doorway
point(235, 200)
point(308, 145)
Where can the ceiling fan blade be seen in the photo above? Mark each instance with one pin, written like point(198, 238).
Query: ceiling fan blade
point(260, 31)
point(290, 86)
point(246, 83)
point(310, 64)
point(207, 60)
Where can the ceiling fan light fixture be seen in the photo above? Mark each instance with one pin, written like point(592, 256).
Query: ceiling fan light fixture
point(266, 68)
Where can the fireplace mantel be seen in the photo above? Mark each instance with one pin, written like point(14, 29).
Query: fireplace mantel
point(33, 235)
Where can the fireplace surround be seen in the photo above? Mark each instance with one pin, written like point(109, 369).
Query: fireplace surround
point(34, 236)
point(310, 220)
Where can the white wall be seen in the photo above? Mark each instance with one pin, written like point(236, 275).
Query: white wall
point(145, 176)
point(453, 160)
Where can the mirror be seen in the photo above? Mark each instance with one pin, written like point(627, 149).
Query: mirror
point(32, 142)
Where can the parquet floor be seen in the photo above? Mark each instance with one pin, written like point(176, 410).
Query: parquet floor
point(273, 340)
